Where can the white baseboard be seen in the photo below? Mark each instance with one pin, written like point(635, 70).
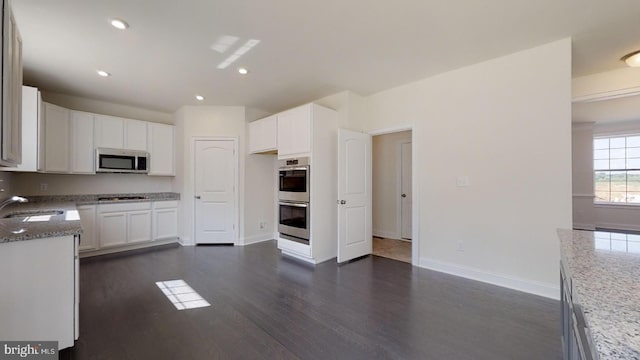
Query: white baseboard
point(248, 240)
point(581, 226)
point(185, 241)
point(385, 234)
point(533, 287)
point(632, 227)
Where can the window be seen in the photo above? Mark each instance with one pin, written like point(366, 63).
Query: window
point(616, 165)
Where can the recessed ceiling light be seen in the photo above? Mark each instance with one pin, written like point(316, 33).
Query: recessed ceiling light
point(103, 73)
point(119, 24)
point(632, 59)
point(199, 97)
point(243, 71)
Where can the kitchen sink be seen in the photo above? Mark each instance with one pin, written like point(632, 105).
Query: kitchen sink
point(26, 213)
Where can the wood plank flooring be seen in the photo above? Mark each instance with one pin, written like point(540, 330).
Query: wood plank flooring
point(264, 306)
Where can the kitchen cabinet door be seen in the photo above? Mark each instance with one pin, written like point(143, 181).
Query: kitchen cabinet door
point(263, 135)
point(139, 226)
point(165, 220)
point(88, 240)
point(109, 132)
point(112, 229)
point(40, 302)
point(82, 151)
point(11, 149)
point(294, 132)
point(161, 149)
point(135, 135)
point(56, 139)
point(30, 123)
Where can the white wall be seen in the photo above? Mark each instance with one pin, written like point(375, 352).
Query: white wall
point(66, 184)
point(506, 124)
point(106, 108)
point(582, 175)
point(386, 184)
point(256, 180)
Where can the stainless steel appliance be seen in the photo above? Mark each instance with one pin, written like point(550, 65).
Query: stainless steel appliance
point(294, 177)
point(294, 221)
point(121, 161)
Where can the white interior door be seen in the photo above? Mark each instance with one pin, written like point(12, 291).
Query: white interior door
point(215, 199)
point(406, 197)
point(354, 194)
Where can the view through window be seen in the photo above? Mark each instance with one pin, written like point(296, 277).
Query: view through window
point(616, 164)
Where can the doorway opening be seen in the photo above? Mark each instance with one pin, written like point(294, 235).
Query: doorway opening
point(392, 195)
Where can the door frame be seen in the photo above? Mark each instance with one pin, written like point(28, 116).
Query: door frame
point(399, 184)
point(236, 171)
point(415, 210)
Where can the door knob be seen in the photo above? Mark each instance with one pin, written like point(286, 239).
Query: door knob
point(198, 197)
point(342, 202)
point(404, 195)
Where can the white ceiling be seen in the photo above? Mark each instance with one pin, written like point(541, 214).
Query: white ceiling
point(308, 49)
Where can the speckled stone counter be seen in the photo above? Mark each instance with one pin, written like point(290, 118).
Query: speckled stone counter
point(93, 199)
point(68, 222)
point(29, 225)
point(606, 284)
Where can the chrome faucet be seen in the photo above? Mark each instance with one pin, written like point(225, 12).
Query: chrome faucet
point(12, 200)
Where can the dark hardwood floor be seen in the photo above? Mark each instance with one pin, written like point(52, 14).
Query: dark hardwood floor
point(264, 306)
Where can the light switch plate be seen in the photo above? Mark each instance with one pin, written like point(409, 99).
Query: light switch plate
point(462, 181)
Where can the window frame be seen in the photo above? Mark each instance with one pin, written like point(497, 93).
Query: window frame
point(625, 170)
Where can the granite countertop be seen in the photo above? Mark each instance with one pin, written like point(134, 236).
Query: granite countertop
point(606, 284)
point(26, 227)
point(29, 225)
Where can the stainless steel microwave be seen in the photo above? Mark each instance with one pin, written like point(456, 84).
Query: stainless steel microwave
point(121, 161)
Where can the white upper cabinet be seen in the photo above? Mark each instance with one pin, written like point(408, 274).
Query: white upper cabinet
point(56, 130)
point(109, 132)
point(11, 147)
point(161, 149)
point(135, 135)
point(30, 122)
point(82, 152)
point(263, 135)
point(294, 132)
point(119, 133)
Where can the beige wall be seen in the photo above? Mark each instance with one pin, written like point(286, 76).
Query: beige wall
point(66, 184)
point(106, 108)
point(256, 180)
point(386, 184)
point(7, 181)
point(582, 175)
point(506, 128)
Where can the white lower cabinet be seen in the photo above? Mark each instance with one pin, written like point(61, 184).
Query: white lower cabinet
point(165, 220)
point(88, 239)
point(109, 226)
point(120, 224)
point(139, 226)
point(112, 229)
point(38, 299)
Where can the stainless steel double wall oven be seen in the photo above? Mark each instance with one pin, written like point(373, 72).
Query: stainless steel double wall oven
point(294, 200)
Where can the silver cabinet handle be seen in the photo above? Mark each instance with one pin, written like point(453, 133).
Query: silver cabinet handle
point(198, 197)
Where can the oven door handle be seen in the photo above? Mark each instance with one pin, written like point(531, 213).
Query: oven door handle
point(303, 168)
point(294, 204)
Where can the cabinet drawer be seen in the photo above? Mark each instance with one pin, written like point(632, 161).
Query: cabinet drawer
point(103, 208)
point(170, 204)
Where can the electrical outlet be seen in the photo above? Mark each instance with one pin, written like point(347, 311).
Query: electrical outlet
point(44, 187)
point(460, 247)
point(262, 224)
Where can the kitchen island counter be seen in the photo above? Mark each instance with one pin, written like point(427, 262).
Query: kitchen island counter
point(604, 284)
